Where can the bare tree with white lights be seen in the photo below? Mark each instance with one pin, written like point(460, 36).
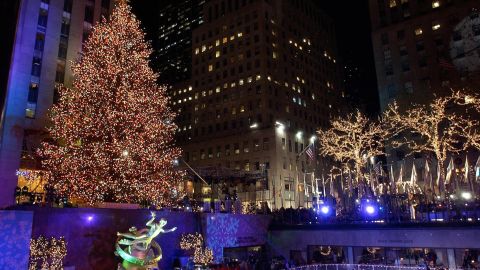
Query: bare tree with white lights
point(436, 128)
point(351, 141)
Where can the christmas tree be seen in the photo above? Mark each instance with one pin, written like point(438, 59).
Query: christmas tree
point(112, 132)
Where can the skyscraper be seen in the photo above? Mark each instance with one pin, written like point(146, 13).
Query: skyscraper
point(424, 48)
point(177, 20)
point(262, 83)
point(49, 35)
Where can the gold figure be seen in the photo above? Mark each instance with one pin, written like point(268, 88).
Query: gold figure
point(139, 247)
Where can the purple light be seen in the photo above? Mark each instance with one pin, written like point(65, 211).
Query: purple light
point(370, 209)
point(89, 218)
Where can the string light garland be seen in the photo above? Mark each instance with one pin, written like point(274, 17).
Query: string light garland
point(112, 132)
point(195, 242)
point(47, 253)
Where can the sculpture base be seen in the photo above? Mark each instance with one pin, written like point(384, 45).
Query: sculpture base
point(128, 266)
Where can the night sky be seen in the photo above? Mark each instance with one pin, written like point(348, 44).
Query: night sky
point(352, 23)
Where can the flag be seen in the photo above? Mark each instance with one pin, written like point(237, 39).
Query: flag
point(467, 171)
point(450, 168)
point(477, 170)
point(400, 179)
point(310, 152)
point(413, 177)
point(305, 186)
point(332, 193)
point(427, 177)
point(392, 180)
point(378, 168)
point(440, 182)
point(350, 181)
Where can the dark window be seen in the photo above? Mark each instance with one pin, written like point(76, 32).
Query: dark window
point(36, 66)
point(67, 6)
point(420, 46)
point(39, 42)
point(60, 73)
point(43, 17)
point(33, 93)
point(105, 3)
point(89, 13)
point(384, 38)
point(62, 50)
point(65, 30)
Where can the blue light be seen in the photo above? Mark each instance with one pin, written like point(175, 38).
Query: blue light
point(325, 209)
point(370, 210)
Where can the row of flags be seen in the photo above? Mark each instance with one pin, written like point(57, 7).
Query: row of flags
point(380, 182)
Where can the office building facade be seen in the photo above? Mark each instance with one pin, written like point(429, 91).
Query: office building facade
point(424, 48)
point(261, 85)
point(173, 43)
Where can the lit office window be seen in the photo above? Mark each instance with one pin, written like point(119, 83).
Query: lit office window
point(418, 31)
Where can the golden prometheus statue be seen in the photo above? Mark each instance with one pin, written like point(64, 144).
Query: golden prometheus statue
point(138, 249)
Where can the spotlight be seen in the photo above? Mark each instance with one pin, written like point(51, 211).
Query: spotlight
point(313, 138)
point(299, 134)
point(89, 218)
point(370, 210)
point(325, 209)
point(254, 125)
point(466, 195)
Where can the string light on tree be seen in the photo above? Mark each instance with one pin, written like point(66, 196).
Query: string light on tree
point(440, 130)
point(47, 253)
point(351, 140)
point(112, 131)
point(194, 242)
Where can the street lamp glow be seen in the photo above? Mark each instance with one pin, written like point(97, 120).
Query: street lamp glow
point(254, 125)
point(299, 134)
point(313, 138)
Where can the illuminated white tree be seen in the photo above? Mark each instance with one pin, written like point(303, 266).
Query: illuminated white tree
point(352, 140)
point(470, 101)
point(112, 132)
point(434, 128)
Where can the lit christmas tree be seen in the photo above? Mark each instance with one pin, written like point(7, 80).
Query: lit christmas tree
point(112, 131)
